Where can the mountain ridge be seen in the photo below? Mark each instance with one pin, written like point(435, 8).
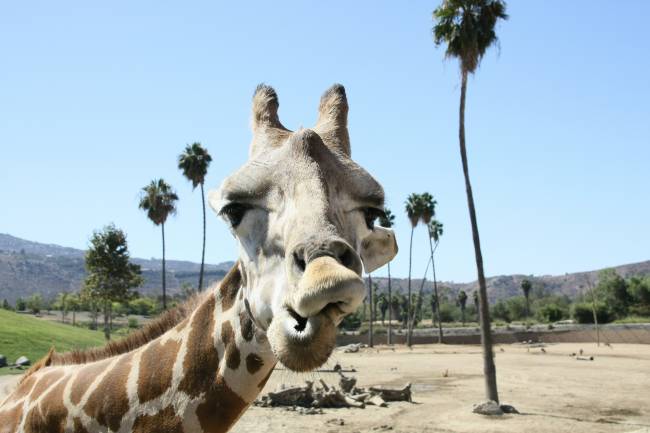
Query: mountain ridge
point(28, 267)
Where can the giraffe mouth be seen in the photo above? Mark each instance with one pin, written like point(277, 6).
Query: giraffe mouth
point(303, 343)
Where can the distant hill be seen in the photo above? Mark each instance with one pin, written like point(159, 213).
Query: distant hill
point(505, 286)
point(28, 267)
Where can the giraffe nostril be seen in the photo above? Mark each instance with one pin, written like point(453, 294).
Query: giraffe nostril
point(346, 258)
point(299, 261)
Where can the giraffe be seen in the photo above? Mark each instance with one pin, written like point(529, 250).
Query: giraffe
point(303, 214)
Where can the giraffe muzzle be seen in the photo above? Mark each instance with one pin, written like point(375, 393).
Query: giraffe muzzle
point(303, 333)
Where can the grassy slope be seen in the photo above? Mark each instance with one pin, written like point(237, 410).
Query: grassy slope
point(25, 335)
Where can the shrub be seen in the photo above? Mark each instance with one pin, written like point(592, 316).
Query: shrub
point(133, 323)
point(351, 322)
point(449, 313)
point(583, 313)
point(551, 313)
point(500, 311)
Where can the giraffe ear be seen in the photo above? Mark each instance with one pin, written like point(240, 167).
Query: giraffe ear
point(265, 122)
point(379, 248)
point(332, 123)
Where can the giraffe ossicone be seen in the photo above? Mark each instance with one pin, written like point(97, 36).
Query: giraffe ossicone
point(303, 214)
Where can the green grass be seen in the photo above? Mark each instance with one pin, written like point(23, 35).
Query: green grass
point(633, 319)
point(26, 335)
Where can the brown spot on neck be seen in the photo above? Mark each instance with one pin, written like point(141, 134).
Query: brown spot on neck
point(221, 408)
point(164, 421)
point(85, 377)
point(10, 419)
point(233, 357)
point(45, 381)
point(156, 369)
point(109, 401)
point(51, 414)
point(253, 363)
point(201, 360)
point(229, 287)
point(246, 325)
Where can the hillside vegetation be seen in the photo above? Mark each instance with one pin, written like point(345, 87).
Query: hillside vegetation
point(22, 334)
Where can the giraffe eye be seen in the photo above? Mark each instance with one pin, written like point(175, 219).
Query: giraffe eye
point(235, 212)
point(370, 214)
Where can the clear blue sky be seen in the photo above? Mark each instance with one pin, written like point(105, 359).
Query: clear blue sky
point(96, 99)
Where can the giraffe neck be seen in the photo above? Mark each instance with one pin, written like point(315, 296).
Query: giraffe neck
point(199, 376)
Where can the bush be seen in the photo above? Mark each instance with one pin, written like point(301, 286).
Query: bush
point(583, 313)
point(551, 313)
point(133, 323)
point(500, 311)
point(449, 313)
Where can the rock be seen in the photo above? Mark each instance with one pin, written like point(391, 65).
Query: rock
point(346, 383)
point(23, 361)
point(335, 421)
point(506, 408)
point(3, 361)
point(489, 407)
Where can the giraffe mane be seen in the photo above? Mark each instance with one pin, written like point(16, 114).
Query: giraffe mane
point(151, 331)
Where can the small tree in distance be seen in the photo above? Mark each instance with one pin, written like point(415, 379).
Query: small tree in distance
point(111, 276)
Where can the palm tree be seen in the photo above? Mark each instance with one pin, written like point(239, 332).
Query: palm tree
point(194, 162)
point(525, 287)
point(158, 200)
point(372, 316)
point(435, 231)
point(413, 209)
point(462, 302)
point(382, 303)
point(467, 29)
point(428, 212)
point(387, 220)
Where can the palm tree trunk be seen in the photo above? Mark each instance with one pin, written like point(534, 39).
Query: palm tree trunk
point(489, 368)
point(164, 286)
point(370, 328)
point(203, 251)
point(390, 310)
point(435, 289)
point(408, 303)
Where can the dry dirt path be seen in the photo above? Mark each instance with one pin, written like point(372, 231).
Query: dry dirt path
point(555, 392)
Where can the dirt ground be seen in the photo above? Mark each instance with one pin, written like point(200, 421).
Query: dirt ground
point(553, 391)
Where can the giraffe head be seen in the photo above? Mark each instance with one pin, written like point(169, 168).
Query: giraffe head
point(304, 215)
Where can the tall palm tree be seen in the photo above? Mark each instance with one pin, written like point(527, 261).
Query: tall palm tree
point(158, 200)
point(413, 207)
point(467, 29)
point(526, 286)
point(387, 220)
point(435, 230)
point(428, 212)
point(372, 310)
point(194, 162)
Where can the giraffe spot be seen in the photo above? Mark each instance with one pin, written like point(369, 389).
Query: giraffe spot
point(182, 325)
point(45, 382)
point(51, 414)
point(201, 360)
point(221, 408)
point(164, 421)
point(85, 377)
point(229, 287)
point(246, 325)
point(10, 419)
point(24, 388)
point(109, 401)
point(156, 365)
point(233, 357)
point(253, 363)
point(78, 426)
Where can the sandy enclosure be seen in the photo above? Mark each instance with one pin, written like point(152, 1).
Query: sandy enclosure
point(554, 391)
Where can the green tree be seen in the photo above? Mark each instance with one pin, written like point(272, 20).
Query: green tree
point(387, 220)
point(35, 303)
point(435, 229)
point(467, 28)
point(428, 212)
point(61, 304)
point(382, 303)
point(413, 209)
point(613, 291)
point(5, 305)
point(158, 200)
point(462, 303)
point(526, 286)
point(21, 305)
point(74, 304)
point(111, 277)
point(194, 162)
